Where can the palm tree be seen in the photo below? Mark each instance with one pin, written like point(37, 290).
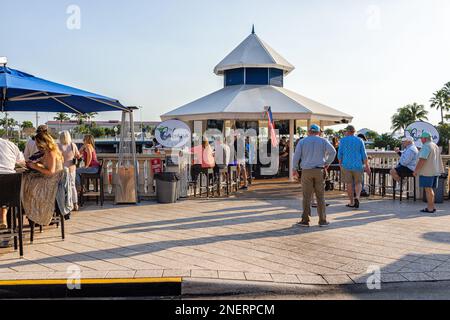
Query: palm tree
point(26, 125)
point(441, 100)
point(407, 115)
point(417, 112)
point(329, 132)
point(61, 117)
point(90, 116)
point(371, 135)
point(80, 117)
point(7, 123)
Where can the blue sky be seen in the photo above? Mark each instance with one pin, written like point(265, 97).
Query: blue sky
point(366, 58)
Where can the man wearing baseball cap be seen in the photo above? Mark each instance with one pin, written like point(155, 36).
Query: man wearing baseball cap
point(408, 159)
point(429, 168)
point(313, 155)
point(352, 155)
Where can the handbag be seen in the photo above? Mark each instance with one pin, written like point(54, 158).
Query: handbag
point(74, 160)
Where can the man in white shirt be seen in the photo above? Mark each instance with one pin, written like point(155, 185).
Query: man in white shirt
point(408, 160)
point(10, 155)
point(30, 147)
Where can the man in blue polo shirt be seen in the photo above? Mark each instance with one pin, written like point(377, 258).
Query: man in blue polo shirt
point(352, 155)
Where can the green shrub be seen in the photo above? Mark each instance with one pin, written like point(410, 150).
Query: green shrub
point(387, 141)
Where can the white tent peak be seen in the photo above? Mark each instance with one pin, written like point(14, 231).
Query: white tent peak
point(253, 53)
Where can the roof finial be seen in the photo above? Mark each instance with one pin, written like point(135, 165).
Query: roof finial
point(253, 29)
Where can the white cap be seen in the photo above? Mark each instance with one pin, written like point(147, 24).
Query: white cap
point(409, 139)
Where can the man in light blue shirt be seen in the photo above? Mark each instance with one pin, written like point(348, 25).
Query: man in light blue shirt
point(408, 160)
point(353, 160)
point(313, 155)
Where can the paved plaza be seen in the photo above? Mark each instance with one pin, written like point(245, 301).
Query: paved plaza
point(250, 237)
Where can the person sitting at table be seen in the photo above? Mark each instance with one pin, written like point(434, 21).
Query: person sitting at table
point(10, 156)
point(203, 158)
point(40, 186)
point(222, 156)
point(91, 164)
point(70, 153)
point(408, 160)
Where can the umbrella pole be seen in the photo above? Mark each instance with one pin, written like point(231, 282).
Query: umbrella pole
point(3, 99)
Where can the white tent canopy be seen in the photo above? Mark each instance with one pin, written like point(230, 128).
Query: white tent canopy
point(248, 101)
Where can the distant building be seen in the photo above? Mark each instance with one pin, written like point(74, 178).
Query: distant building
point(58, 126)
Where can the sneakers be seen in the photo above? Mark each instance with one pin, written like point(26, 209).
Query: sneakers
point(303, 224)
point(324, 224)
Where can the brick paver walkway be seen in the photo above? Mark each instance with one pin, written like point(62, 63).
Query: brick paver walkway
point(243, 238)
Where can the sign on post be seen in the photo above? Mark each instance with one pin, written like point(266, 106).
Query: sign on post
point(415, 130)
point(173, 134)
point(156, 165)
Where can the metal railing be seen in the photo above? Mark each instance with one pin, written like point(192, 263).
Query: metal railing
point(146, 185)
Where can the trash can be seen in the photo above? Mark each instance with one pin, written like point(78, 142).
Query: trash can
point(166, 187)
point(439, 191)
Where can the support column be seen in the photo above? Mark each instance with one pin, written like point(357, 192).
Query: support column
point(291, 149)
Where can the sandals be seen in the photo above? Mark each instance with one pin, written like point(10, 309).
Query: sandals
point(428, 211)
point(350, 206)
point(3, 226)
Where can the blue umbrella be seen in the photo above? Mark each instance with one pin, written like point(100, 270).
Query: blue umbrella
point(20, 91)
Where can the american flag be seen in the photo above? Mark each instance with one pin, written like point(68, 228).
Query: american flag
point(273, 135)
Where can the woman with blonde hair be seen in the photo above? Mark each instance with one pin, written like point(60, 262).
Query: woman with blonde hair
point(70, 153)
point(51, 161)
point(91, 164)
point(40, 185)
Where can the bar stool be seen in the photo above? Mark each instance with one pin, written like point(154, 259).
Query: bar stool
point(335, 174)
point(97, 179)
point(57, 219)
point(223, 172)
point(408, 190)
point(193, 183)
point(382, 174)
point(209, 187)
point(10, 198)
point(233, 178)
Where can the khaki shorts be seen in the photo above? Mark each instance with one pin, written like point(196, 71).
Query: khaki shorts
point(352, 176)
